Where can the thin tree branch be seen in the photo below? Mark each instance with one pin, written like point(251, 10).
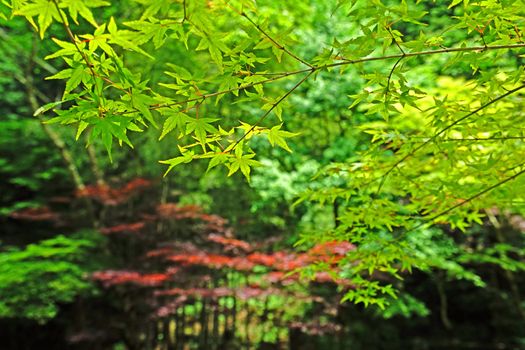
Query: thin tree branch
point(93, 161)
point(241, 87)
point(33, 93)
point(272, 40)
point(426, 53)
point(281, 75)
point(27, 80)
point(396, 42)
point(275, 42)
point(443, 300)
point(514, 287)
point(57, 141)
point(433, 138)
point(261, 119)
point(479, 194)
point(387, 90)
point(37, 60)
point(466, 201)
point(83, 54)
point(473, 139)
point(72, 38)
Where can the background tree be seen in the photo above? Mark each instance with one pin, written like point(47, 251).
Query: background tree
point(422, 173)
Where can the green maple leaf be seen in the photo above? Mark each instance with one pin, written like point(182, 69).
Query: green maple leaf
point(112, 126)
point(142, 103)
point(251, 130)
point(125, 38)
point(67, 49)
point(176, 121)
point(99, 39)
point(186, 157)
point(78, 74)
point(219, 158)
point(278, 137)
point(200, 127)
point(242, 162)
point(228, 82)
point(149, 31)
point(76, 7)
point(44, 10)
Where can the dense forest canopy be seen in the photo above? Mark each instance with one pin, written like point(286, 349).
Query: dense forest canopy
point(383, 139)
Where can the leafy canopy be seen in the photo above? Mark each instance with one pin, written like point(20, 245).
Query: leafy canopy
point(34, 280)
point(437, 152)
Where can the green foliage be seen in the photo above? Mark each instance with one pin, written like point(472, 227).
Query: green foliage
point(430, 134)
point(406, 306)
point(27, 169)
point(34, 280)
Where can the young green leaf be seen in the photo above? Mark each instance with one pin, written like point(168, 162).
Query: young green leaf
point(278, 137)
point(175, 121)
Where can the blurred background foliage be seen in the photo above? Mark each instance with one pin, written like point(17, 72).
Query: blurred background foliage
point(469, 297)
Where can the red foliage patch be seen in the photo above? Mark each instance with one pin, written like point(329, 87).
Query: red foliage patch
point(165, 251)
point(174, 211)
point(114, 196)
point(280, 260)
point(230, 243)
point(325, 277)
point(331, 248)
point(197, 292)
point(212, 260)
point(215, 223)
point(61, 199)
point(115, 277)
point(171, 307)
point(133, 227)
point(35, 214)
point(280, 277)
point(202, 251)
